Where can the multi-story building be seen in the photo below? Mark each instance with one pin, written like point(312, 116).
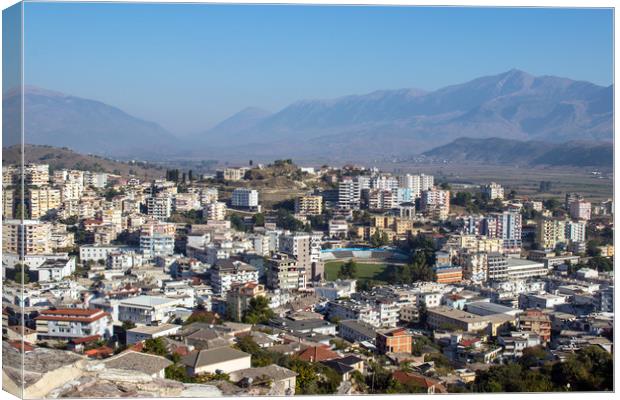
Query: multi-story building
point(349, 193)
point(380, 199)
point(42, 199)
point(284, 273)
point(449, 318)
point(159, 207)
point(36, 174)
point(231, 174)
point(396, 340)
point(73, 323)
point(570, 198)
point(338, 228)
point(97, 180)
point(147, 310)
point(227, 273)
point(575, 231)
point(384, 182)
point(537, 322)
point(580, 210)
point(31, 237)
point(306, 248)
point(157, 239)
point(245, 198)
point(239, 296)
point(550, 232)
point(8, 203)
point(309, 205)
point(448, 274)
point(435, 203)
point(506, 226)
point(605, 300)
point(215, 211)
point(493, 191)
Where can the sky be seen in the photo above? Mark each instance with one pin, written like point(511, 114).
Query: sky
point(189, 66)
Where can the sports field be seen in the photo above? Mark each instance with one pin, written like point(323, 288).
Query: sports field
point(365, 271)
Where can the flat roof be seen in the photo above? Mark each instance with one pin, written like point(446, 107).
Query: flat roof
point(147, 301)
point(150, 330)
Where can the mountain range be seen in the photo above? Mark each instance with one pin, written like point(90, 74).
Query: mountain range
point(530, 153)
point(387, 123)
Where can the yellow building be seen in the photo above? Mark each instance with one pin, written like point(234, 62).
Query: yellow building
point(41, 200)
point(309, 205)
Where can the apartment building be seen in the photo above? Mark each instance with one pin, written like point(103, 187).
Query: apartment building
point(245, 198)
point(73, 323)
point(306, 248)
point(31, 237)
point(231, 174)
point(396, 340)
point(284, 273)
point(147, 310)
point(493, 191)
point(435, 203)
point(227, 273)
point(537, 322)
point(506, 226)
point(42, 199)
point(580, 210)
point(157, 239)
point(215, 211)
point(36, 174)
point(8, 203)
point(159, 207)
point(309, 205)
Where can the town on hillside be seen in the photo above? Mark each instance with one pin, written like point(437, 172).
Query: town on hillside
point(278, 279)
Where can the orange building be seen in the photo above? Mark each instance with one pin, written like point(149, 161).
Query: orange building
point(537, 322)
point(396, 340)
point(449, 274)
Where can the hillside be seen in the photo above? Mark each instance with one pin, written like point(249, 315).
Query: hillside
point(59, 158)
point(84, 125)
point(530, 153)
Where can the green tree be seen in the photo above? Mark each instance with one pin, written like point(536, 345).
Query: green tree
point(348, 270)
point(155, 346)
point(22, 273)
point(258, 311)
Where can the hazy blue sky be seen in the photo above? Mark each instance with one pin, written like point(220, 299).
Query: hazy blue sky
point(189, 66)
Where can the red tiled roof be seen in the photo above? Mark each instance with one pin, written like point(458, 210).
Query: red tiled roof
point(100, 352)
point(317, 353)
point(86, 339)
point(21, 346)
point(72, 314)
point(418, 380)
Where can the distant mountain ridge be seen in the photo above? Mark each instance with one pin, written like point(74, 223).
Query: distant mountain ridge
point(531, 153)
point(383, 124)
point(511, 105)
point(57, 119)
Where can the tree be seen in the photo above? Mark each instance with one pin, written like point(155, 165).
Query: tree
point(258, 311)
point(127, 325)
point(258, 219)
point(22, 273)
point(155, 346)
point(601, 264)
point(348, 270)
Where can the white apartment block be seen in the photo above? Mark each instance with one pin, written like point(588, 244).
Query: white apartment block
point(146, 310)
point(36, 174)
point(159, 207)
point(244, 198)
point(580, 210)
point(227, 273)
point(349, 193)
point(215, 211)
point(73, 323)
point(493, 191)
